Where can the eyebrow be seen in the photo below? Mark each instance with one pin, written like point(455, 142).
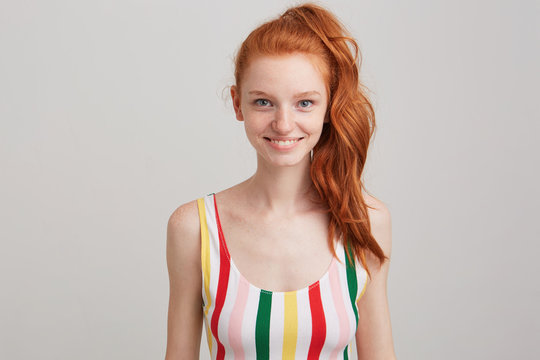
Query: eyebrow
point(305, 93)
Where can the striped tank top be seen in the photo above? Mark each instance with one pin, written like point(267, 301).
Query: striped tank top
point(243, 321)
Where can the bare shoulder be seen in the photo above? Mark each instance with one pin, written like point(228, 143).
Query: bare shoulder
point(374, 332)
point(380, 221)
point(185, 300)
point(185, 218)
point(183, 231)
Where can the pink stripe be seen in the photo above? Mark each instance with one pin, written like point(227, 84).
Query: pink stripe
point(344, 326)
point(237, 315)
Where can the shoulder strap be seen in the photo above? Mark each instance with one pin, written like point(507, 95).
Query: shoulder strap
point(205, 265)
point(205, 249)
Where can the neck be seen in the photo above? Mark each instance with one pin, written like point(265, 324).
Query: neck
point(282, 190)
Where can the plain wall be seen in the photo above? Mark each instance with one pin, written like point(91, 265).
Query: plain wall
point(114, 113)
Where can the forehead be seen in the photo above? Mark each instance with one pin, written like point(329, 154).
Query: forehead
point(292, 72)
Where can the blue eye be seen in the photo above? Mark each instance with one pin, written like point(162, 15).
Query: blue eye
point(262, 102)
point(305, 103)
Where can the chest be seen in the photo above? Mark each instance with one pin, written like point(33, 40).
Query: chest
point(280, 254)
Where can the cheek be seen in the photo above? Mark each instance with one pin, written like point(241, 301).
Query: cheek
point(317, 122)
point(257, 120)
point(253, 126)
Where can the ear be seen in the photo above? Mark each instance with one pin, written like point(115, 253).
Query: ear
point(235, 95)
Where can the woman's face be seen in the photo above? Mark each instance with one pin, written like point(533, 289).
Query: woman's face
point(283, 103)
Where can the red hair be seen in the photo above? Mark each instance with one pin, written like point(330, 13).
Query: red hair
point(340, 154)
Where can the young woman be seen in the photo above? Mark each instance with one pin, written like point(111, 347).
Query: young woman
point(293, 262)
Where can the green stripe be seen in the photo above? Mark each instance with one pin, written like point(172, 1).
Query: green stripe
point(352, 282)
point(262, 326)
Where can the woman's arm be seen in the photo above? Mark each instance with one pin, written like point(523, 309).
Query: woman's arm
point(184, 324)
point(374, 333)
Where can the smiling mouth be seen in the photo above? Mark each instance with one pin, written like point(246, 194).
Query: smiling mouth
point(284, 142)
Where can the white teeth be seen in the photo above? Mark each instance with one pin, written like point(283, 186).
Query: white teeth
point(286, 142)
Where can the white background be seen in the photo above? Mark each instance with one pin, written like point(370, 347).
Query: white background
point(114, 113)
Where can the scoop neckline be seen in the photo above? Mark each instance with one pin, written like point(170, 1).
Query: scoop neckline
point(242, 277)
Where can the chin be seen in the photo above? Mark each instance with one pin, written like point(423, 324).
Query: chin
point(287, 162)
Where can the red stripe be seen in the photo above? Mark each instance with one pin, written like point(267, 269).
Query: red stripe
point(318, 324)
point(223, 282)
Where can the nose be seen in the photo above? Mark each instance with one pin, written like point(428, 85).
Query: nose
point(283, 121)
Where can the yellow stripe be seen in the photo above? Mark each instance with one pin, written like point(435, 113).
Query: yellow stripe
point(290, 326)
point(205, 264)
point(363, 290)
